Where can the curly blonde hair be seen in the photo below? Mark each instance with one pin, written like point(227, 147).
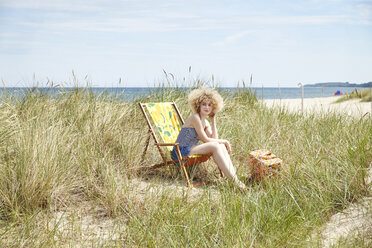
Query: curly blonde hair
point(197, 96)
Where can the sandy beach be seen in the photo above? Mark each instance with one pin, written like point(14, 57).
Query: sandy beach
point(323, 105)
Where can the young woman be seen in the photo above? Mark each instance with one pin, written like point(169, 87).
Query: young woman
point(205, 103)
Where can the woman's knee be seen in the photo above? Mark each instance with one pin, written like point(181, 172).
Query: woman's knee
point(215, 147)
point(223, 147)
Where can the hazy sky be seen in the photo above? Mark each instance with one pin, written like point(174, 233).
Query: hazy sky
point(284, 41)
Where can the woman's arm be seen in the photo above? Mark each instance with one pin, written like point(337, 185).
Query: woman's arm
point(197, 124)
point(214, 127)
point(211, 131)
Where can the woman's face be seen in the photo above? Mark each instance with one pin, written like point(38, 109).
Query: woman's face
point(206, 107)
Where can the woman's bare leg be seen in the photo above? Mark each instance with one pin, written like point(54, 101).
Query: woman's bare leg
point(228, 159)
point(220, 156)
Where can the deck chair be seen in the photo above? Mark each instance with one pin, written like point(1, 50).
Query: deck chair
point(167, 121)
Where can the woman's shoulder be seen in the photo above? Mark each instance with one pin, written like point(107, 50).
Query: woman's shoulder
point(191, 120)
point(195, 116)
point(195, 120)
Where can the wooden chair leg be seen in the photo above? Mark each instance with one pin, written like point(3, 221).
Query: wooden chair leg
point(185, 175)
point(221, 173)
point(147, 145)
point(183, 167)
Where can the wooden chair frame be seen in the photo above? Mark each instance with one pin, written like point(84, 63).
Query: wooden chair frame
point(183, 161)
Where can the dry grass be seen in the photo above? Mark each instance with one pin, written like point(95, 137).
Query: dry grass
point(67, 163)
point(364, 95)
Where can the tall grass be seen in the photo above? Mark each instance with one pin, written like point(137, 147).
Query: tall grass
point(59, 153)
point(364, 95)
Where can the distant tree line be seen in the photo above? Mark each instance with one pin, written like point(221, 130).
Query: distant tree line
point(339, 84)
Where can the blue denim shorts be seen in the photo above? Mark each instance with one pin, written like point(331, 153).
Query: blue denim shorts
point(185, 151)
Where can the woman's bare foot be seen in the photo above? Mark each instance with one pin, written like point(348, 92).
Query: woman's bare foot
point(240, 185)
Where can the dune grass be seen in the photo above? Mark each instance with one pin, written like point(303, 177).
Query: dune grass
point(365, 95)
point(67, 163)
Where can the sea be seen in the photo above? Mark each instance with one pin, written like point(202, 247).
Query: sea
point(132, 93)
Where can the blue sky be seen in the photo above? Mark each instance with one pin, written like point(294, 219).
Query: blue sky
point(279, 42)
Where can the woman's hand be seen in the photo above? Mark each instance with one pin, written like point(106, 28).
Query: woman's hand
point(227, 145)
point(212, 117)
